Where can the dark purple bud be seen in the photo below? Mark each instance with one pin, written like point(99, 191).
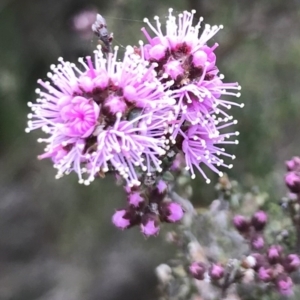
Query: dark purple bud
point(241, 223)
point(257, 242)
point(171, 212)
point(259, 220)
point(292, 263)
point(150, 225)
point(265, 274)
point(292, 181)
point(197, 270)
point(159, 192)
point(216, 271)
point(274, 254)
point(284, 285)
point(293, 164)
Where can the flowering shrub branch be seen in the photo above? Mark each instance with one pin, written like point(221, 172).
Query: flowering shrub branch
point(153, 119)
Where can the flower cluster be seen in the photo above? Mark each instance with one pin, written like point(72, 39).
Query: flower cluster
point(270, 264)
point(147, 209)
point(252, 229)
point(209, 272)
point(182, 55)
point(131, 117)
point(111, 116)
point(292, 178)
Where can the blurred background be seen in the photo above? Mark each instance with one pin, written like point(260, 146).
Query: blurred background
point(56, 237)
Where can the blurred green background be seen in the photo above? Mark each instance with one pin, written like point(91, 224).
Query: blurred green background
point(56, 237)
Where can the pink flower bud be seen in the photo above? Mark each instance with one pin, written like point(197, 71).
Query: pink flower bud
point(197, 270)
point(292, 181)
point(150, 225)
point(259, 220)
point(265, 274)
point(241, 223)
point(121, 219)
point(293, 164)
point(284, 285)
point(274, 254)
point(157, 52)
point(135, 199)
point(257, 242)
point(113, 105)
point(216, 271)
point(173, 69)
point(161, 186)
point(171, 212)
point(199, 58)
point(292, 263)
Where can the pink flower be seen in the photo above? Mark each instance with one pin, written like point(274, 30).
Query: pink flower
point(201, 145)
point(79, 117)
point(112, 116)
point(183, 55)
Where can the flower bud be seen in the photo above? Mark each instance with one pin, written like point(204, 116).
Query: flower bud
point(216, 271)
point(292, 263)
point(150, 225)
point(161, 186)
point(135, 199)
point(265, 274)
point(293, 164)
point(284, 285)
point(157, 52)
point(122, 219)
point(241, 223)
point(197, 270)
point(259, 220)
point(292, 181)
point(171, 212)
point(274, 254)
point(257, 242)
point(260, 261)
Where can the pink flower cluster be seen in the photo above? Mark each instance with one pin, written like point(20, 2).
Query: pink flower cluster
point(201, 111)
point(148, 209)
point(270, 264)
point(129, 117)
